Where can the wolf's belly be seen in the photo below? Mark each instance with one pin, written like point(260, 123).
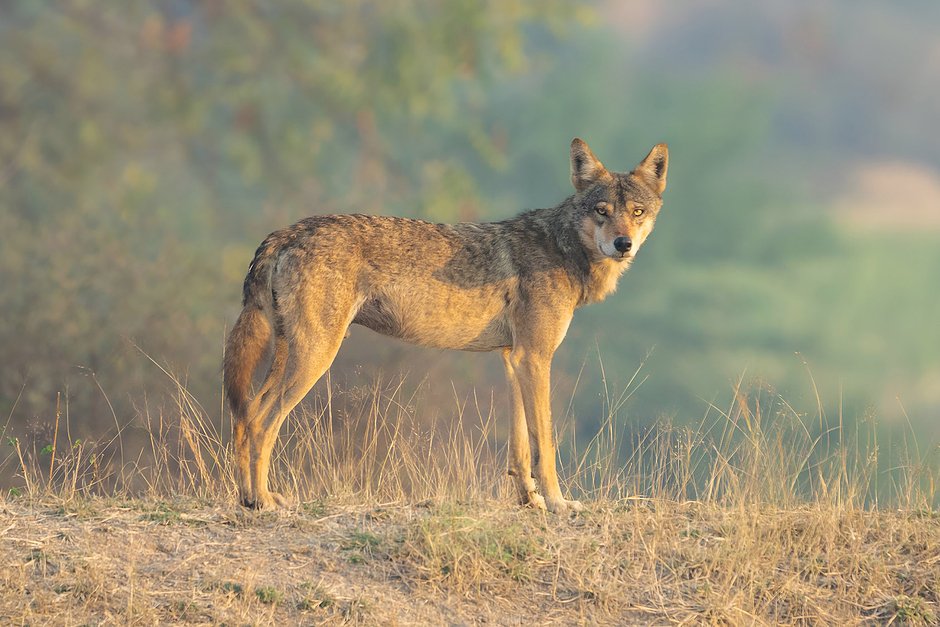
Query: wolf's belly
point(473, 320)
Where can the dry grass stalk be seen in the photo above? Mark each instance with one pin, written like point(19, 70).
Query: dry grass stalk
point(757, 514)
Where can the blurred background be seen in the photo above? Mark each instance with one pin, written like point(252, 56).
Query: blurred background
point(146, 148)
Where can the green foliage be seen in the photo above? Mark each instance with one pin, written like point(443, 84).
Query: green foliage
point(314, 597)
point(744, 274)
point(163, 514)
point(231, 587)
point(908, 610)
point(361, 545)
point(456, 548)
point(145, 150)
point(268, 595)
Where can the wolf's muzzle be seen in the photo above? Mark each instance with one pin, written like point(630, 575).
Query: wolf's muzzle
point(623, 244)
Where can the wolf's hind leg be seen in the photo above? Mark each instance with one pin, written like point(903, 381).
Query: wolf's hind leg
point(309, 356)
point(246, 426)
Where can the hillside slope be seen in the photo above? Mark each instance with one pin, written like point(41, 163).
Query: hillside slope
point(93, 561)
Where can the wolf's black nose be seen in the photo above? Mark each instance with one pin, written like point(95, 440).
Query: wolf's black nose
point(623, 244)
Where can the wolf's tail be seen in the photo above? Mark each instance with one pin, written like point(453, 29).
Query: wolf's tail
point(251, 334)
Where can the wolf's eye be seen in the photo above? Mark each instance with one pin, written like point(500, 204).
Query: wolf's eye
point(638, 211)
point(601, 208)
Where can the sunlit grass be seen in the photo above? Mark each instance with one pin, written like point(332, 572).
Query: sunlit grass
point(757, 513)
point(384, 443)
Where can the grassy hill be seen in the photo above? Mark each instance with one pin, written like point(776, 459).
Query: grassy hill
point(645, 561)
point(745, 519)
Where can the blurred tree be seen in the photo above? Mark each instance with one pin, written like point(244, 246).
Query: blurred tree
point(146, 147)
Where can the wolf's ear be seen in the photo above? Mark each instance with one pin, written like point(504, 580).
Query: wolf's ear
point(586, 169)
point(653, 168)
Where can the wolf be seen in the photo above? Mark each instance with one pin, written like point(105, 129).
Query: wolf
point(510, 286)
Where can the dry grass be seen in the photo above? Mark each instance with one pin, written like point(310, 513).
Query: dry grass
point(759, 515)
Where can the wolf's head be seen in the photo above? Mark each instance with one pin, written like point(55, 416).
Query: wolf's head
point(617, 210)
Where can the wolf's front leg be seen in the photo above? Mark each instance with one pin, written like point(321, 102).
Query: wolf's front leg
point(534, 371)
point(520, 453)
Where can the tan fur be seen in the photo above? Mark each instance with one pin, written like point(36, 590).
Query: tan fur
point(510, 286)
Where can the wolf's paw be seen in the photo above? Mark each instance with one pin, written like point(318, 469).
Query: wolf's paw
point(280, 501)
point(563, 506)
point(267, 501)
point(535, 501)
